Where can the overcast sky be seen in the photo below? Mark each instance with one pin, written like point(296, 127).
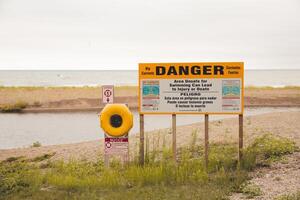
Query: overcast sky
point(118, 34)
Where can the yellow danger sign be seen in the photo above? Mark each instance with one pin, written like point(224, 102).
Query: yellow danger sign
point(191, 88)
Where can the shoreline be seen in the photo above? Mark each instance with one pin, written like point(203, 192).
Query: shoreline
point(283, 124)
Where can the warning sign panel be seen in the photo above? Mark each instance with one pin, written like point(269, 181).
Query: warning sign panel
point(116, 146)
point(107, 94)
point(188, 88)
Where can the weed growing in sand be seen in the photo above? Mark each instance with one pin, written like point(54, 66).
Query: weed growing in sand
point(266, 149)
point(12, 159)
point(292, 196)
point(36, 144)
point(17, 107)
point(43, 157)
point(251, 190)
point(19, 176)
point(193, 140)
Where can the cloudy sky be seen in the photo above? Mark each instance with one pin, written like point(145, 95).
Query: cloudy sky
point(118, 34)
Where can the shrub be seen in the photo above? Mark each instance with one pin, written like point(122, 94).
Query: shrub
point(16, 176)
point(17, 107)
point(251, 190)
point(266, 149)
point(36, 144)
point(293, 196)
point(43, 157)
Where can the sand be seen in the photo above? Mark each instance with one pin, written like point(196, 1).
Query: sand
point(281, 178)
point(73, 99)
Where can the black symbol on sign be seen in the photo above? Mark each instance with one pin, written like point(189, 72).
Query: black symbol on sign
point(107, 93)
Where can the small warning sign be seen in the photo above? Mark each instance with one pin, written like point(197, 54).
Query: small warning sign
point(107, 94)
point(116, 146)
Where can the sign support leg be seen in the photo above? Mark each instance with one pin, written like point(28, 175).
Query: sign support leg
point(174, 136)
point(240, 137)
point(142, 159)
point(106, 161)
point(127, 157)
point(106, 158)
point(206, 140)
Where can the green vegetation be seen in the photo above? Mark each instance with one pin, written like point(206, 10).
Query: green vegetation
point(266, 149)
point(17, 107)
point(11, 159)
point(251, 190)
point(43, 157)
point(160, 178)
point(294, 196)
point(36, 144)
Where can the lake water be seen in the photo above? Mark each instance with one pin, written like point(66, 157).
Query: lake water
point(21, 130)
point(276, 78)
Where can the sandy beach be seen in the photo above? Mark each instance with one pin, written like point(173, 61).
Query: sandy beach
point(73, 99)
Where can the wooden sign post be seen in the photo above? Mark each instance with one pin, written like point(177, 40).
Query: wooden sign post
point(240, 138)
point(174, 137)
point(206, 141)
point(142, 140)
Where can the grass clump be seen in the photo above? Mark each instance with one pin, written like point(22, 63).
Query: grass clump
point(266, 149)
point(12, 159)
point(43, 157)
point(36, 144)
point(292, 196)
point(222, 156)
point(17, 107)
point(251, 190)
point(18, 176)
